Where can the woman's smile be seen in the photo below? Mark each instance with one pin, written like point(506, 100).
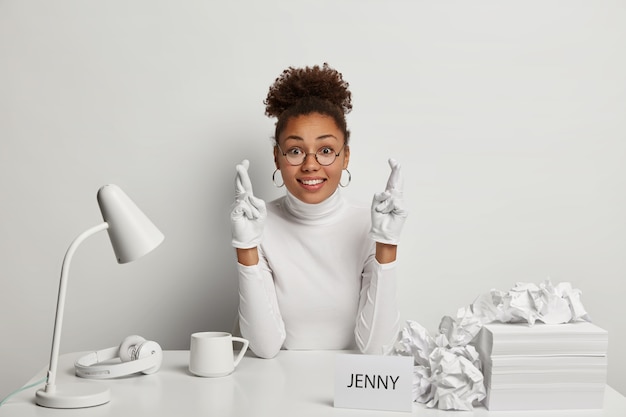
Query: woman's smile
point(312, 183)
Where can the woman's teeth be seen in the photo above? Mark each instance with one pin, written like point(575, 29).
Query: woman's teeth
point(312, 182)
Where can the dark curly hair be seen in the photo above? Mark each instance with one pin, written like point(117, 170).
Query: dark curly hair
point(302, 91)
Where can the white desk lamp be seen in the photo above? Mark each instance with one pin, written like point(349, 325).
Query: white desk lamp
point(132, 235)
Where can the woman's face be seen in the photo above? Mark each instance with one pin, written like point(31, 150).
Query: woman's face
point(313, 133)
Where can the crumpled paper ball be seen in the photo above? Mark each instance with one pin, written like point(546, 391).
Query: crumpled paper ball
point(447, 370)
point(458, 381)
point(445, 376)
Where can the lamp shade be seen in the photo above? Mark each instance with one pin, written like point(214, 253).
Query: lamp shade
point(132, 234)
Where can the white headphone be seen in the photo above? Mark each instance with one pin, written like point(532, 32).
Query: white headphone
point(136, 354)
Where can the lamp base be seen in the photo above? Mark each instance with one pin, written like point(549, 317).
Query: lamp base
point(73, 396)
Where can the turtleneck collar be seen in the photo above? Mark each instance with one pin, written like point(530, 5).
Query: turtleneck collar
point(324, 212)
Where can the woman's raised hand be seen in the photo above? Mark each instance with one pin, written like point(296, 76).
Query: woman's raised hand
point(248, 212)
point(388, 213)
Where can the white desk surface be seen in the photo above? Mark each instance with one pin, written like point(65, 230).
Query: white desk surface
point(295, 383)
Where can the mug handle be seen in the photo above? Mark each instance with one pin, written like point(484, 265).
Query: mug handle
point(243, 349)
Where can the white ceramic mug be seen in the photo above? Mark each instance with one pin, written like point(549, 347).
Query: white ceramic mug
point(211, 353)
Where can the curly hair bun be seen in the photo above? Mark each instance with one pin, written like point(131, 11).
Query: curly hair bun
point(295, 84)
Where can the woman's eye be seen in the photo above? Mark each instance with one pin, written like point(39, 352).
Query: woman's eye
point(294, 151)
point(325, 151)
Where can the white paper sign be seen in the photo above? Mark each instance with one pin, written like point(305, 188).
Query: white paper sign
point(373, 382)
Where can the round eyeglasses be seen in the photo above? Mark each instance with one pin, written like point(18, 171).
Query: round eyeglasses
point(324, 156)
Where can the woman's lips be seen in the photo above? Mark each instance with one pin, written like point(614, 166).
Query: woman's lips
point(312, 183)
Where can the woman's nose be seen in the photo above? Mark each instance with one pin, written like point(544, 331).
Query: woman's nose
point(310, 163)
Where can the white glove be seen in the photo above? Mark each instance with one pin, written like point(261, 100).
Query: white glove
point(388, 213)
point(248, 213)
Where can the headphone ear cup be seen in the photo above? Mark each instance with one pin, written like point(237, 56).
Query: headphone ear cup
point(129, 346)
point(146, 350)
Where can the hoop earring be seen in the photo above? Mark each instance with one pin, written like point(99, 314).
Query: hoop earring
point(274, 179)
point(349, 179)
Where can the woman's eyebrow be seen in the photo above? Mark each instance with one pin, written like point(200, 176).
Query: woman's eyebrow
point(322, 137)
point(293, 137)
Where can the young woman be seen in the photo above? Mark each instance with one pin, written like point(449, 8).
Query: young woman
point(315, 272)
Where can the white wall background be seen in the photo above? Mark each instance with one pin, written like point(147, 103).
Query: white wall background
point(509, 119)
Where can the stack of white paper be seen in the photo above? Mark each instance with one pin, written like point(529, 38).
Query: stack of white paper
point(544, 366)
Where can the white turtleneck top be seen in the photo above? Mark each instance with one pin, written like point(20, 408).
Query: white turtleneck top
point(317, 284)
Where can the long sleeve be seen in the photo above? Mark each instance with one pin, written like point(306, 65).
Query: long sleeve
point(378, 315)
point(259, 316)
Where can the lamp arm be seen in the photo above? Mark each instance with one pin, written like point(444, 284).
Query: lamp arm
point(58, 321)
